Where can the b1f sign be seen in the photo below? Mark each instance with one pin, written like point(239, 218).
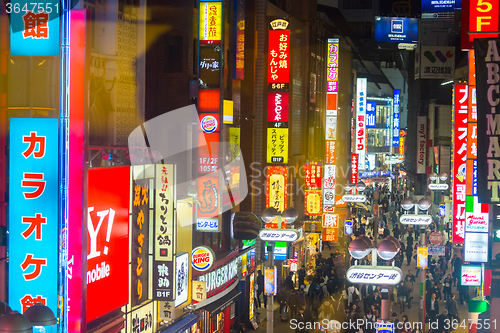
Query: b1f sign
point(33, 208)
point(34, 28)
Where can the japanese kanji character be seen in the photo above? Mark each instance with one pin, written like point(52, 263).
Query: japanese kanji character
point(35, 25)
point(163, 282)
point(139, 268)
point(28, 301)
point(137, 195)
point(140, 240)
point(38, 182)
point(163, 270)
point(35, 225)
point(140, 219)
point(29, 260)
point(139, 289)
point(33, 140)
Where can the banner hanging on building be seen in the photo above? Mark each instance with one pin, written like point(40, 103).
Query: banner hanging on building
point(360, 142)
point(488, 119)
point(421, 144)
point(395, 117)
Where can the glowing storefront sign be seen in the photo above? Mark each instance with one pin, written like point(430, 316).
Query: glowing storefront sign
point(438, 187)
point(354, 198)
point(288, 235)
point(181, 278)
point(476, 247)
point(354, 169)
point(202, 258)
point(415, 219)
point(330, 221)
point(360, 143)
point(374, 275)
point(422, 257)
point(330, 235)
point(312, 203)
point(279, 56)
point(395, 118)
point(459, 161)
point(470, 276)
point(276, 183)
point(277, 145)
point(33, 206)
point(270, 281)
point(210, 22)
point(220, 278)
point(483, 19)
point(476, 215)
point(312, 175)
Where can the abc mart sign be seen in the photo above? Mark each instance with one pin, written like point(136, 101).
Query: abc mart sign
point(353, 198)
point(374, 275)
point(416, 219)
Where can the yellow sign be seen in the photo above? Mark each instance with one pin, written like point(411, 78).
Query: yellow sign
point(227, 112)
point(252, 297)
point(422, 257)
point(210, 22)
point(277, 145)
point(199, 291)
point(270, 281)
point(276, 191)
point(313, 203)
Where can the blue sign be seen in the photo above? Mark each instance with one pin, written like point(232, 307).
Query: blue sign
point(396, 29)
point(442, 209)
point(279, 251)
point(441, 5)
point(33, 207)
point(474, 177)
point(34, 29)
point(348, 227)
point(371, 114)
point(395, 118)
point(207, 224)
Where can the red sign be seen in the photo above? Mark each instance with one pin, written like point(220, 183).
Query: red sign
point(459, 162)
point(107, 240)
point(483, 19)
point(279, 56)
point(208, 196)
point(436, 238)
point(354, 169)
point(313, 175)
point(276, 187)
point(330, 152)
point(330, 234)
point(277, 107)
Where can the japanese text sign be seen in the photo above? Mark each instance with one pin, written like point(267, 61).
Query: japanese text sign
point(207, 224)
point(279, 56)
point(354, 168)
point(471, 276)
point(277, 107)
point(360, 143)
point(276, 187)
point(107, 240)
point(330, 152)
point(374, 275)
point(312, 203)
point(476, 247)
point(210, 22)
point(371, 114)
point(459, 161)
point(239, 36)
point(277, 145)
point(330, 234)
point(330, 220)
point(312, 175)
point(329, 177)
point(33, 207)
point(140, 241)
point(288, 235)
point(34, 28)
point(164, 234)
point(143, 319)
point(395, 117)
point(332, 78)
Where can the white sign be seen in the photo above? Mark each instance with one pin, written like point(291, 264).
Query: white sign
point(476, 222)
point(421, 144)
point(476, 247)
point(181, 278)
point(331, 128)
point(471, 276)
point(415, 219)
point(143, 319)
point(329, 176)
point(407, 46)
point(380, 180)
point(207, 224)
point(220, 276)
point(438, 187)
point(294, 265)
point(328, 197)
point(437, 62)
point(360, 144)
point(353, 198)
point(330, 220)
point(287, 235)
point(374, 275)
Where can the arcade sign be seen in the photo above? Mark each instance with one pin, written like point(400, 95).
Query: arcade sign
point(438, 187)
point(415, 219)
point(374, 275)
point(354, 198)
point(272, 235)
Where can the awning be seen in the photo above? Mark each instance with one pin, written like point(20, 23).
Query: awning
point(182, 324)
point(219, 306)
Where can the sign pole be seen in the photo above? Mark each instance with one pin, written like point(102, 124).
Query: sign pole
point(270, 297)
point(423, 243)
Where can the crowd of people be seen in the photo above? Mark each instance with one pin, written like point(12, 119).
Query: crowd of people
point(322, 292)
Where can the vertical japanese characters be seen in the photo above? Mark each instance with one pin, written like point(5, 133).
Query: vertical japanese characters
point(33, 208)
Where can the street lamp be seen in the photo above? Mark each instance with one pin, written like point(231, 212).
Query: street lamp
point(424, 204)
point(41, 317)
point(290, 215)
point(14, 322)
point(407, 204)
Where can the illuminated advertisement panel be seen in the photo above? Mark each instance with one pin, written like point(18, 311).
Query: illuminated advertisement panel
point(476, 215)
point(313, 175)
point(483, 19)
point(459, 161)
point(371, 114)
point(107, 240)
point(330, 152)
point(354, 168)
point(395, 118)
point(396, 29)
point(210, 22)
point(312, 203)
point(277, 107)
point(330, 235)
point(332, 78)
point(276, 183)
point(279, 56)
point(277, 145)
point(33, 220)
point(421, 144)
point(34, 28)
point(360, 144)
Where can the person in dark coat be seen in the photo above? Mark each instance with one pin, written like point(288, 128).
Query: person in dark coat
point(302, 275)
point(396, 232)
point(442, 323)
point(452, 307)
point(303, 318)
point(409, 253)
point(432, 308)
point(260, 288)
point(387, 232)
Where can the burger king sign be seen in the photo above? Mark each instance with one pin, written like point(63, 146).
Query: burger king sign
point(202, 258)
point(209, 124)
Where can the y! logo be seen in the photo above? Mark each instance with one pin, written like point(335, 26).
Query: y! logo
point(93, 232)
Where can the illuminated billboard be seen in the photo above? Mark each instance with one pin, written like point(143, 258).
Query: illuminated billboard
point(396, 29)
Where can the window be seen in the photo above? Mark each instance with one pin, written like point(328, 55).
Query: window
point(357, 4)
point(174, 54)
point(362, 30)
